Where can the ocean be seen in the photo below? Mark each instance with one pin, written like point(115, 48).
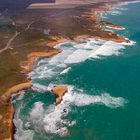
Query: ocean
point(103, 78)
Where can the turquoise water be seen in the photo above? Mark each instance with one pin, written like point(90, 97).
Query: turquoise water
point(104, 90)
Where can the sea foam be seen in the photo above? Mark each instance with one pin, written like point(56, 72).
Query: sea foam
point(66, 70)
point(119, 8)
point(73, 53)
point(54, 120)
point(21, 134)
point(40, 88)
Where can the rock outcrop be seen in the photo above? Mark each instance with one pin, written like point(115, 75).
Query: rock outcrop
point(59, 91)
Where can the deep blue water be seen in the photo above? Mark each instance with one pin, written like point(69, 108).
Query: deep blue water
point(94, 111)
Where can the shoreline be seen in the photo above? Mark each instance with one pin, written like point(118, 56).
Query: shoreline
point(5, 98)
point(31, 62)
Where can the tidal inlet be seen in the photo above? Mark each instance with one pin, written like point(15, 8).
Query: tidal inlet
point(69, 70)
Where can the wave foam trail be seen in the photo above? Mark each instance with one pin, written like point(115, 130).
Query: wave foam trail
point(36, 116)
point(119, 9)
point(66, 70)
point(75, 53)
point(54, 119)
point(21, 134)
point(78, 98)
point(107, 49)
point(40, 88)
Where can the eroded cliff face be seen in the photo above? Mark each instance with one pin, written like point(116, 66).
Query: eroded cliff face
point(7, 110)
point(6, 120)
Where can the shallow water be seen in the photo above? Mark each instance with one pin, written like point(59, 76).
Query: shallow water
point(103, 79)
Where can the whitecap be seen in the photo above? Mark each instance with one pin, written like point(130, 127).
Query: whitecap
point(21, 134)
point(73, 53)
point(107, 49)
point(36, 116)
point(66, 70)
point(129, 2)
point(40, 88)
point(78, 98)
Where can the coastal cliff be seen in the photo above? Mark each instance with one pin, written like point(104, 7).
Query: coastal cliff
point(6, 108)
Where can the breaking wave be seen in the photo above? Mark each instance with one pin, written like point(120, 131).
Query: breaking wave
point(119, 8)
point(66, 70)
point(21, 134)
point(75, 53)
point(54, 120)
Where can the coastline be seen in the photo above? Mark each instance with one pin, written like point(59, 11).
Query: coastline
point(31, 62)
point(5, 99)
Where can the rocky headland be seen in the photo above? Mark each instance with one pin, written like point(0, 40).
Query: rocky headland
point(59, 91)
